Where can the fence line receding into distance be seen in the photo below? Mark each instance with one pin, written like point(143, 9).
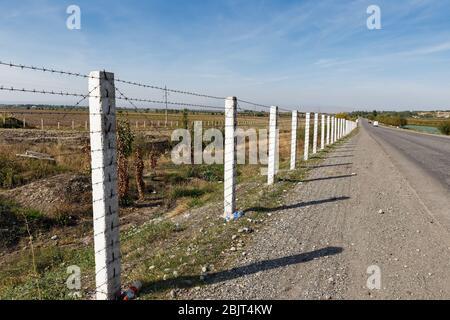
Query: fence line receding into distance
point(99, 119)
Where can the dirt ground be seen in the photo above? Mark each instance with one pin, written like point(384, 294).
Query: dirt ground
point(355, 211)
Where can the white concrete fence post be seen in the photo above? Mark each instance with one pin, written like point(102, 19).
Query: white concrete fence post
point(332, 130)
point(307, 128)
point(335, 129)
point(230, 157)
point(42, 124)
point(271, 167)
point(328, 130)
point(102, 115)
point(316, 132)
point(322, 135)
point(294, 140)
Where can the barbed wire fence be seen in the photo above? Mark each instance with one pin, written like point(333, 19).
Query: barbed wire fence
point(96, 112)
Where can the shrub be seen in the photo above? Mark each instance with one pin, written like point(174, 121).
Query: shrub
point(125, 138)
point(11, 123)
point(445, 128)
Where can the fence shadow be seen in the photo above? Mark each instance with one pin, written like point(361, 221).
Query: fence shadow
point(328, 165)
point(222, 276)
point(297, 205)
point(343, 150)
point(344, 156)
point(330, 178)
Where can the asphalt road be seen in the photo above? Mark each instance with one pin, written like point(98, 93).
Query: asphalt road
point(424, 160)
point(429, 152)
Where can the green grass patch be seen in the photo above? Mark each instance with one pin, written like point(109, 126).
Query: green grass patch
point(17, 172)
point(425, 129)
point(187, 192)
point(14, 220)
point(18, 279)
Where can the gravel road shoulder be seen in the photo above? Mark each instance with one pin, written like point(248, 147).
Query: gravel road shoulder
point(354, 211)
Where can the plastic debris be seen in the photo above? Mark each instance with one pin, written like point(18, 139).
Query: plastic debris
point(132, 291)
point(235, 216)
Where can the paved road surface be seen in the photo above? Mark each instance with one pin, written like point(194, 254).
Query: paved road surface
point(425, 162)
point(429, 152)
point(321, 242)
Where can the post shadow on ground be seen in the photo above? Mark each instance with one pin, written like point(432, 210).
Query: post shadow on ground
point(297, 205)
point(344, 156)
point(222, 276)
point(317, 179)
point(330, 178)
point(343, 150)
point(327, 165)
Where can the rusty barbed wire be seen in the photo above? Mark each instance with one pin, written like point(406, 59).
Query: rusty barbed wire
point(38, 91)
point(81, 75)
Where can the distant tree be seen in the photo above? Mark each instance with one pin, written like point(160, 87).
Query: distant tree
point(343, 115)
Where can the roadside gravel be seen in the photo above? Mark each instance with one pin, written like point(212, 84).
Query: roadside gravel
point(355, 210)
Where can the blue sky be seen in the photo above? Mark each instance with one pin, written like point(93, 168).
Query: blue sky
point(310, 55)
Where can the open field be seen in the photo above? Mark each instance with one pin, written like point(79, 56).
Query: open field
point(46, 221)
point(78, 120)
point(436, 122)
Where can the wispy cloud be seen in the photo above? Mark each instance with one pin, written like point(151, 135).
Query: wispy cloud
point(285, 52)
